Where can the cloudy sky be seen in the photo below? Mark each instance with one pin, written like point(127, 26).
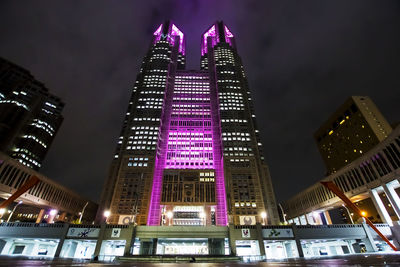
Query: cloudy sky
point(303, 59)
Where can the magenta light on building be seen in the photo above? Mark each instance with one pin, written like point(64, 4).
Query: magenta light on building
point(189, 142)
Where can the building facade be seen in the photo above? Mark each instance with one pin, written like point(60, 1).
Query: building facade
point(130, 243)
point(29, 115)
point(47, 201)
point(374, 177)
point(189, 151)
point(355, 128)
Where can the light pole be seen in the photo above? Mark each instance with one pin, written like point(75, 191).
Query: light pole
point(107, 214)
point(83, 210)
point(348, 212)
point(283, 213)
point(264, 216)
point(9, 217)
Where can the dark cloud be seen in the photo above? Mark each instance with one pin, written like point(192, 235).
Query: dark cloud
point(303, 59)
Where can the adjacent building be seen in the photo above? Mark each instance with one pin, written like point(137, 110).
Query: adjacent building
point(29, 115)
point(355, 128)
point(48, 201)
point(189, 152)
point(372, 182)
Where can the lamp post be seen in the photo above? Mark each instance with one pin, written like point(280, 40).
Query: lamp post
point(348, 212)
point(12, 212)
point(107, 214)
point(264, 216)
point(283, 213)
point(81, 213)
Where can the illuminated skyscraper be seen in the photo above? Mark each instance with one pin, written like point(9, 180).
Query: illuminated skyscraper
point(189, 151)
point(29, 115)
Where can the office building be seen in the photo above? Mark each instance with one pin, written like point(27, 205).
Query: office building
point(372, 182)
point(29, 115)
point(47, 201)
point(355, 128)
point(189, 152)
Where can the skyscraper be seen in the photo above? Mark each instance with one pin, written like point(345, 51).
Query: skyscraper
point(353, 129)
point(189, 152)
point(29, 115)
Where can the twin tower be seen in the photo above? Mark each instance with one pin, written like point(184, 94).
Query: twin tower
point(189, 152)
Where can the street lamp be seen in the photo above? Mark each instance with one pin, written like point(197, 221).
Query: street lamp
point(169, 216)
point(264, 216)
point(348, 212)
point(363, 213)
point(283, 213)
point(107, 214)
point(12, 212)
point(81, 213)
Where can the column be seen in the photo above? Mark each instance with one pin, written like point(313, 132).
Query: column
point(40, 216)
point(130, 240)
point(393, 198)
point(307, 222)
point(298, 243)
point(327, 217)
point(369, 241)
point(380, 207)
point(260, 239)
point(232, 239)
point(99, 241)
point(61, 242)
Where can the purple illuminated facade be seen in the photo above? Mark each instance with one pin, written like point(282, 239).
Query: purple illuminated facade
point(175, 163)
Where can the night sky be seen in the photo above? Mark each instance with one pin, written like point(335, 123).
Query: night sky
point(302, 58)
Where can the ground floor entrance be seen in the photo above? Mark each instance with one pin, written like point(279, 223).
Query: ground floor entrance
point(181, 246)
point(278, 249)
point(78, 249)
point(315, 248)
point(28, 247)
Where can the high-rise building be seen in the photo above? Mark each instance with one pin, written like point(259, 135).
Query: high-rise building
point(189, 152)
point(29, 115)
point(355, 128)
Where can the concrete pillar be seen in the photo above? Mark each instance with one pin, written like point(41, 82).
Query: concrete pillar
point(393, 198)
point(216, 246)
point(130, 241)
point(62, 239)
point(99, 240)
point(40, 216)
point(260, 239)
point(369, 241)
point(327, 217)
point(305, 216)
point(380, 207)
point(298, 243)
point(232, 239)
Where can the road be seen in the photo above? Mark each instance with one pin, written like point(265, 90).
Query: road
point(351, 260)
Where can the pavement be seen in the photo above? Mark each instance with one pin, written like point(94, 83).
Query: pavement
point(378, 259)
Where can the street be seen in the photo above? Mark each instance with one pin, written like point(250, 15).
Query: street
point(351, 260)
